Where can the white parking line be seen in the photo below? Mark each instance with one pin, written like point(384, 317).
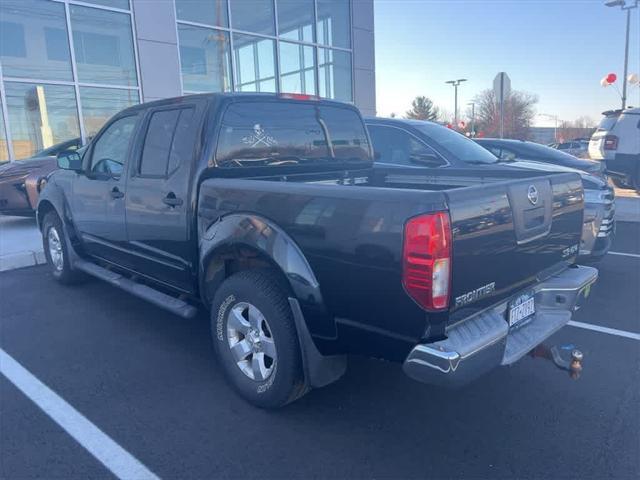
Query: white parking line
point(610, 331)
point(622, 254)
point(120, 462)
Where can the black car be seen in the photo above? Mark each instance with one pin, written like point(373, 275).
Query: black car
point(507, 149)
point(268, 211)
point(427, 145)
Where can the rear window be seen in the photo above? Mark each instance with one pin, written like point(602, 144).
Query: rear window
point(607, 123)
point(289, 133)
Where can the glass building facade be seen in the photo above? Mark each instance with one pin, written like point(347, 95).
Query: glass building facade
point(68, 65)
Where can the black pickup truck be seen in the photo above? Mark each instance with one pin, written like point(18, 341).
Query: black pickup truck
point(268, 211)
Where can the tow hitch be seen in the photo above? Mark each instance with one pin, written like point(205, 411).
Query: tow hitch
point(572, 365)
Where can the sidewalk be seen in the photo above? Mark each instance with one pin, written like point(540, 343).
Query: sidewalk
point(20, 243)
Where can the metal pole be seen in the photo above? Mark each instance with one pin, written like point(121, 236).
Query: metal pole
point(473, 119)
point(502, 105)
point(455, 106)
point(626, 61)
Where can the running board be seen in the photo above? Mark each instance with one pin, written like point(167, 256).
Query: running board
point(151, 295)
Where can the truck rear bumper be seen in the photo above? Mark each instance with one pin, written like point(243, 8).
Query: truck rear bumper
point(485, 341)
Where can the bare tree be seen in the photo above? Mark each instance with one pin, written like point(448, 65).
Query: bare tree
point(581, 127)
point(422, 108)
point(519, 111)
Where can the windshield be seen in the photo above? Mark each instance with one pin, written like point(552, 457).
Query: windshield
point(534, 150)
point(455, 144)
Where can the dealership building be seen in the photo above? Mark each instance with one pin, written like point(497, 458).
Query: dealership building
point(66, 66)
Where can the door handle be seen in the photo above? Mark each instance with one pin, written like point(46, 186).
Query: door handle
point(172, 200)
point(116, 193)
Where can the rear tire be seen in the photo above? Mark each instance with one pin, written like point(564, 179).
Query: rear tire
point(255, 338)
point(55, 250)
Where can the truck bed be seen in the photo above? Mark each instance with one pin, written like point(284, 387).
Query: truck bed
point(349, 226)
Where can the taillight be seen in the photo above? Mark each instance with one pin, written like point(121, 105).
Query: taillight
point(610, 142)
point(426, 260)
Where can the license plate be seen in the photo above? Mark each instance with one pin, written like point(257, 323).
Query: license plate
point(521, 308)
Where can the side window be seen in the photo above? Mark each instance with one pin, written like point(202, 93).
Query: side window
point(168, 141)
point(399, 147)
point(110, 150)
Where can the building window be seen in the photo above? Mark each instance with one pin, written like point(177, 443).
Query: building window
point(212, 12)
point(25, 33)
point(205, 59)
point(334, 74)
point(103, 46)
point(256, 16)
point(122, 4)
point(297, 68)
point(40, 115)
point(100, 104)
point(334, 23)
point(311, 52)
point(295, 20)
point(254, 63)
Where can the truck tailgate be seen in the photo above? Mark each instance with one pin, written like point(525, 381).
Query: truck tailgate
point(507, 235)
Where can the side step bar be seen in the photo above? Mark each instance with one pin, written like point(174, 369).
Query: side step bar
point(162, 300)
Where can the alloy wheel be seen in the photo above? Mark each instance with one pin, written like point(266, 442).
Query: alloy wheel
point(251, 341)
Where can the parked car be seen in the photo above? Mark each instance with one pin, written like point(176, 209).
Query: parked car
point(429, 145)
point(616, 142)
point(578, 148)
point(22, 180)
point(507, 149)
point(268, 210)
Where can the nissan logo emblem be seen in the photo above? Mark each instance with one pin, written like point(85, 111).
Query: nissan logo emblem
point(532, 194)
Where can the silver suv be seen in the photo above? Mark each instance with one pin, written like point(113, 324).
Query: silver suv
point(617, 143)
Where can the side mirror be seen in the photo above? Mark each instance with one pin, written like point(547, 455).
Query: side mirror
point(376, 155)
point(69, 160)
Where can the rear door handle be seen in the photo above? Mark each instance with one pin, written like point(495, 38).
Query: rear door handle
point(116, 193)
point(172, 200)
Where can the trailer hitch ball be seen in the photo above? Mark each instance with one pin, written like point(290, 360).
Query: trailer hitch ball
point(575, 368)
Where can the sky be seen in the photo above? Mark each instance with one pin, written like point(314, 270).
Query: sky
point(556, 49)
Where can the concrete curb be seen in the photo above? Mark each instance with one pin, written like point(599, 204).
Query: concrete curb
point(12, 261)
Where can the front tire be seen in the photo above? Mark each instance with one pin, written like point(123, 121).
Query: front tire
point(255, 338)
point(56, 251)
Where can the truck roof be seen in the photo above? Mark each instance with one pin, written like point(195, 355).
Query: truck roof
point(234, 96)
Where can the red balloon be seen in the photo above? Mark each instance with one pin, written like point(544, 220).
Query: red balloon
point(611, 78)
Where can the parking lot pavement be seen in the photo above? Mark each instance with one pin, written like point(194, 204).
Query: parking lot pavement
point(148, 380)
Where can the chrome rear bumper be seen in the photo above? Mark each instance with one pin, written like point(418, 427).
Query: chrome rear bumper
point(485, 340)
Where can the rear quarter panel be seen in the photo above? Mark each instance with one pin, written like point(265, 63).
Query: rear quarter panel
point(351, 236)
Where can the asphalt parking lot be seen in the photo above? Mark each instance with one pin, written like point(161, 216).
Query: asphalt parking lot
point(148, 381)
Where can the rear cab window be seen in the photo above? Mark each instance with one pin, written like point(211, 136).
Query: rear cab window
point(255, 133)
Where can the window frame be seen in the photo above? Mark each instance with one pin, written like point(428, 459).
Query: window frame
point(144, 131)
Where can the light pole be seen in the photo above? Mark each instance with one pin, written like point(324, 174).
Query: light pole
point(455, 84)
point(473, 118)
point(623, 6)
